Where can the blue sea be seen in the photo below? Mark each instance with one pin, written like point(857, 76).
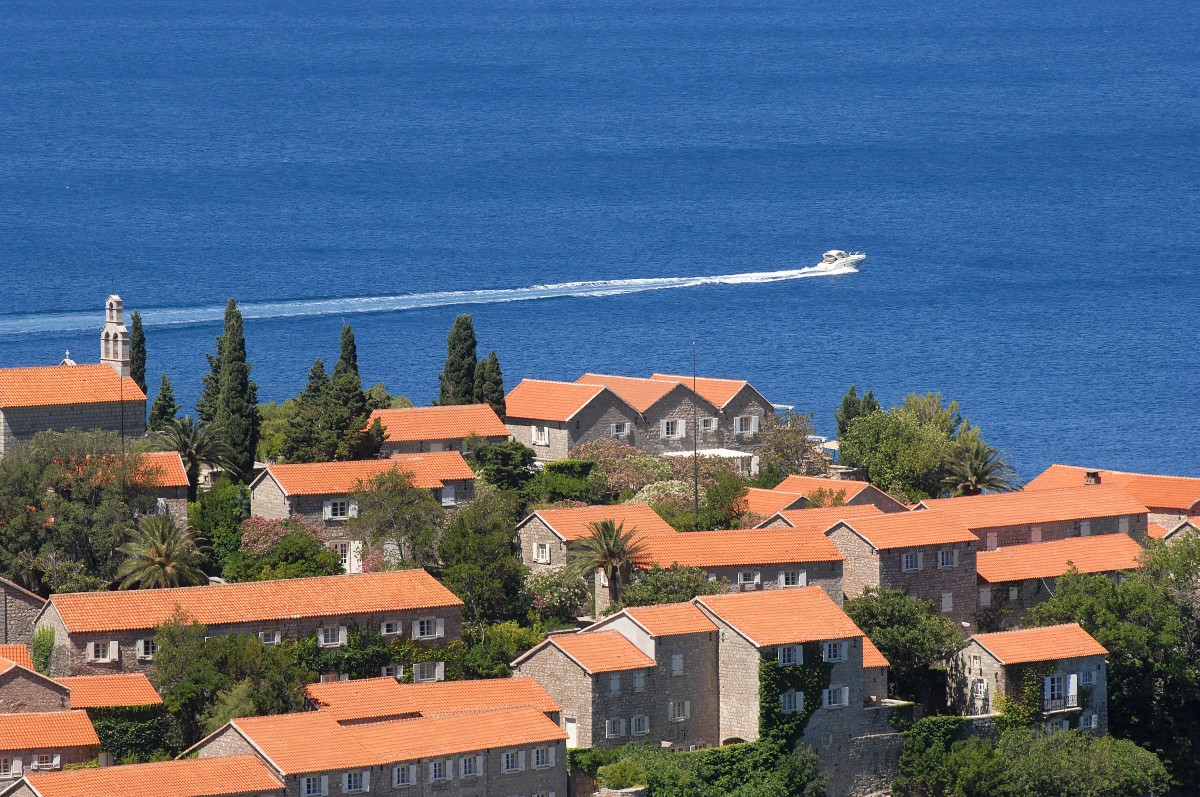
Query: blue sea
point(1023, 175)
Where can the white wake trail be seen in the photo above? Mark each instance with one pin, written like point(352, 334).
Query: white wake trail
point(63, 322)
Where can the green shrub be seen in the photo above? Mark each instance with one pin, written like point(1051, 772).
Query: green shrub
point(622, 775)
point(41, 648)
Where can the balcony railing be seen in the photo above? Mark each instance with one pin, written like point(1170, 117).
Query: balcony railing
point(1060, 703)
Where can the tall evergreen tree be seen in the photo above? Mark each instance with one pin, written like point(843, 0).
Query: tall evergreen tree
point(307, 437)
point(210, 387)
point(137, 350)
point(854, 406)
point(347, 409)
point(489, 383)
point(237, 402)
point(458, 375)
point(165, 408)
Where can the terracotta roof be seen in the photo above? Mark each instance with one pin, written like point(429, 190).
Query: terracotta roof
point(671, 619)
point(1156, 532)
point(873, 656)
point(311, 741)
point(822, 518)
point(189, 777)
point(1037, 506)
point(575, 523)
point(806, 485)
point(641, 394)
point(384, 697)
point(602, 651)
point(1101, 553)
point(440, 423)
point(429, 470)
point(60, 385)
point(782, 616)
point(768, 502)
point(717, 392)
point(408, 740)
point(540, 400)
point(50, 730)
point(166, 468)
point(1049, 643)
point(1180, 493)
point(17, 654)
point(109, 691)
point(737, 548)
point(911, 529)
point(254, 601)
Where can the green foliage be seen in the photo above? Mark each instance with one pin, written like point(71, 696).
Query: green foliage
point(673, 584)
point(276, 416)
point(393, 515)
point(160, 555)
point(198, 446)
point(489, 383)
point(559, 593)
point(378, 398)
point(769, 476)
point(490, 649)
point(508, 465)
point(974, 467)
point(137, 350)
point(165, 408)
point(566, 480)
point(479, 559)
point(217, 517)
point(896, 452)
point(902, 716)
point(1021, 707)
point(366, 651)
point(297, 554)
point(236, 408)
point(724, 505)
point(808, 679)
point(922, 758)
point(186, 677)
point(852, 407)
point(40, 649)
point(131, 736)
point(910, 634)
point(457, 378)
point(821, 497)
point(623, 469)
point(786, 442)
point(623, 774)
point(610, 549)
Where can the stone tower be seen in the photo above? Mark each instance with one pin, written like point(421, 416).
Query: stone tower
point(114, 338)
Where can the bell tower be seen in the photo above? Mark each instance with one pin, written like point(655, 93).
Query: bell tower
point(114, 338)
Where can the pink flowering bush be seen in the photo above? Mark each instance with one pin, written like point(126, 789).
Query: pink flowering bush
point(260, 535)
point(624, 468)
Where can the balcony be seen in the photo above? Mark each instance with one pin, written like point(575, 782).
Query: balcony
point(1052, 704)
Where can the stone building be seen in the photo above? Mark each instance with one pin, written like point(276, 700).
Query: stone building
point(98, 633)
point(1173, 532)
point(1013, 580)
point(18, 609)
point(191, 777)
point(37, 742)
point(1170, 499)
point(1063, 664)
point(546, 538)
point(1003, 519)
point(419, 429)
point(819, 519)
point(852, 493)
point(767, 503)
point(385, 698)
point(554, 417)
point(322, 492)
point(929, 556)
point(485, 754)
point(167, 482)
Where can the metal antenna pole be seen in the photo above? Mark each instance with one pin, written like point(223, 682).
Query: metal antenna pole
point(695, 445)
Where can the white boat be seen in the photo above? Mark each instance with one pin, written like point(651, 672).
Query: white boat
point(837, 259)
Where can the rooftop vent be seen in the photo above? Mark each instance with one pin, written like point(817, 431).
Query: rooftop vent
point(1091, 477)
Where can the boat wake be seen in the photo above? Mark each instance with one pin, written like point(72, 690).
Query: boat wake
point(182, 316)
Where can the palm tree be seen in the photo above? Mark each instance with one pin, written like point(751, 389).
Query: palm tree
point(160, 555)
point(975, 467)
point(610, 549)
point(197, 444)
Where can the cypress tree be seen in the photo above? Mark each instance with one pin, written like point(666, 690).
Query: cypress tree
point(852, 407)
point(210, 387)
point(489, 383)
point(164, 408)
point(347, 409)
point(458, 376)
point(869, 404)
point(237, 402)
point(137, 350)
point(306, 437)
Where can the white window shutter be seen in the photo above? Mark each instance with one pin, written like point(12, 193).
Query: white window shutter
point(662, 428)
point(682, 427)
point(670, 709)
point(1046, 688)
point(845, 699)
point(416, 628)
point(521, 753)
point(440, 671)
point(550, 755)
point(327, 509)
point(687, 709)
point(954, 557)
point(1072, 688)
point(412, 773)
point(114, 650)
point(382, 626)
point(440, 631)
point(341, 634)
point(56, 761)
point(324, 784)
point(478, 765)
point(431, 772)
point(757, 577)
point(803, 578)
point(16, 766)
point(90, 648)
point(845, 651)
point(754, 424)
point(366, 780)
point(352, 509)
point(449, 768)
point(345, 781)
point(799, 654)
point(780, 579)
point(1095, 721)
point(920, 561)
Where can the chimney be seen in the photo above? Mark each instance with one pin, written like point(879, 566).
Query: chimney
point(1091, 477)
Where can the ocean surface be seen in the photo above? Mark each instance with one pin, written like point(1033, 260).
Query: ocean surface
point(1024, 176)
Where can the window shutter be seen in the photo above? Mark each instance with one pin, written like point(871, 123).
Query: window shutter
point(754, 424)
point(757, 577)
point(56, 762)
point(412, 773)
point(802, 581)
point(416, 628)
point(1046, 688)
point(341, 634)
point(478, 765)
point(1095, 721)
point(449, 768)
point(440, 625)
point(687, 709)
point(799, 654)
point(345, 781)
point(382, 626)
point(1072, 689)
point(324, 784)
point(521, 753)
point(366, 780)
point(985, 596)
point(439, 673)
point(114, 650)
point(550, 755)
point(682, 427)
point(90, 647)
point(662, 428)
point(670, 709)
point(431, 772)
point(845, 700)
point(954, 558)
point(920, 561)
point(352, 509)
point(16, 766)
point(327, 510)
point(845, 651)
point(799, 701)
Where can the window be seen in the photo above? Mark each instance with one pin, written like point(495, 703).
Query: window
point(404, 775)
point(976, 663)
point(679, 710)
point(947, 601)
point(339, 510)
point(103, 652)
point(332, 636)
point(392, 671)
point(787, 655)
point(1087, 678)
point(835, 651)
point(313, 787)
point(836, 697)
point(467, 768)
point(1014, 593)
point(708, 424)
point(1035, 534)
point(670, 429)
point(270, 637)
point(342, 549)
point(791, 701)
point(426, 628)
point(639, 681)
point(6, 768)
point(795, 578)
point(352, 781)
point(910, 562)
point(640, 725)
point(1085, 528)
point(947, 558)
point(614, 728)
point(1089, 722)
point(743, 424)
point(1123, 525)
point(511, 761)
point(428, 671)
point(614, 684)
point(676, 664)
point(980, 687)
point(991, 540)
point(539, 435)
point(985, 596)
point(146, 649)
point(43, 761)
point(618, 429)
point(438, 770)
point(541, 553)
point(1054, 687)
point(541, 757)
point(447, 493)
point(748, 577)
point(389, 628)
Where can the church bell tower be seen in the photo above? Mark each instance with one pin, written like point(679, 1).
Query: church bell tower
point(114, 338)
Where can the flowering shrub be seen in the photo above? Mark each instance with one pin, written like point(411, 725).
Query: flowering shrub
point(681, 468)
point(380, 560)
point(260, 535)
point(624, 468)
point(676, 494)
point(558, 593)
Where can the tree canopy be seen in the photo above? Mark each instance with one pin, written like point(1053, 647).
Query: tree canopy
point(165, 407)
point(479, 559)
point(137, 350)
point(400, 521)
point(229, 398)
point(457, 379)
point(489, 383)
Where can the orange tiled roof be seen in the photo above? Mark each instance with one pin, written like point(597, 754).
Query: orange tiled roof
point(1049, 643)
point(768, 502)
point(429, 471)
point(453, 422)
point(111, 691)
point(190, 777)
point(254, 601)
point(1180, 493)
point(311, 741)
point(1102, 553)
point(384, 697)
point(46, 731)
point(60, 385)
point(873, 656)
point(806, 485)
point(166, 468)
point(822, 518)
point(575, 523)
point(717, 392)
point(542, 400)
point(641, 394)
point(737, 548)
point(601, 651)
point(911, 529)
point(782, 616)
point(17, 654)
point(1038, 506)
point(671, 619)
point(408, 740)
point(1156, 532)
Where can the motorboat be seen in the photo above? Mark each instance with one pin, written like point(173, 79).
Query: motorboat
point(837, 259)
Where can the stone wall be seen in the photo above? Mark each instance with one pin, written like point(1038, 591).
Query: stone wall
point(568, 684)
point(1011, 601)
point(22, 423)
point(438, 444)
point(931, 582)
point(860, 566)
point(225, 742)
point(826, 575)
point(534, 531)
point(267, 500)
point(738, 671)
point(865, 765)
point(1024, 533)
point(67, 756)
point(22, 691)
point(698, 685)
point(18, 609)
point(873, 496)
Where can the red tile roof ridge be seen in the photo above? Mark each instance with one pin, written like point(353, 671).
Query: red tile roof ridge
point(893, 530)
point(64, 385)
point(706, 387)
point(46, 730)
point(994, 510)
point(1099, 553)
point(572, 523)
point(602, 651)
point(781, 616)
point(639, 392)
point(187, 777)
point(384, 696)
point(111, 691)
point(1050, 642)
point(393, 741)
point(428, 470)
point(739, 547)
point(562, 411)
point(447, 422)
point(671, 619)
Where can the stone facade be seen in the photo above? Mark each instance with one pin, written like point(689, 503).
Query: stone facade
point(18, 424)
point(391, 447)
point(18, 610)
point(571, 686)
point(826, 575)
point(20, 761)
point(534, 532)
point(23, 691)
point(592, 422)
point(992, 537)
point(1006, 603)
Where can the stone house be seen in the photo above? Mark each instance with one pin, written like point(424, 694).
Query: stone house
point(69, 396)
point(1003, 519)
point(24, 690)
point(1173, 532)
point(412, 430)
point(741, 409)
point(385, 698)
point(1012, 580)
point(546, 537)
point(190, 777)
point(554, 417)
point(1170, 499)
point(856, 493)
point(819, 519)
point(322, 492)
point(929, 556)
point(167, 482)
point(36, 742)
point(18, 609)
point(102, 633)
point(1063, 665)
point(500, 753)
point(767, 503)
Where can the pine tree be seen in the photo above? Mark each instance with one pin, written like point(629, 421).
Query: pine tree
point(853, 407)
point(307, 437)
point(210, 387)
point(137, 350)
point(237, 402)
point(164, 408)
point(347, 410)
point(458, 376)
point(489, 383)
